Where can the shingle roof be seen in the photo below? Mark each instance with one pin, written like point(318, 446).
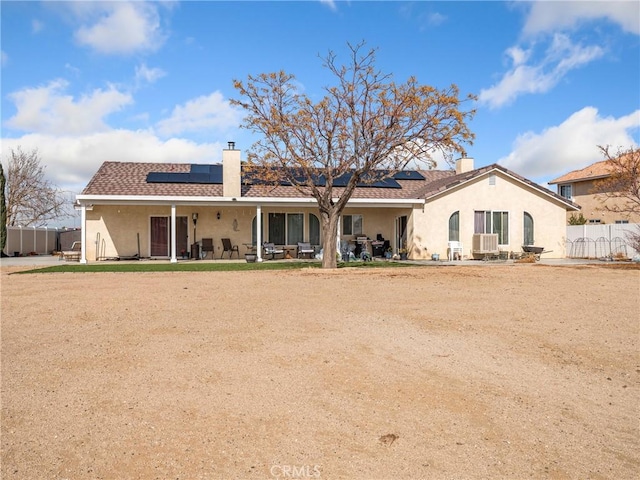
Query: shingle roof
point(130, 179)
point(409, 189)
point(595, 170)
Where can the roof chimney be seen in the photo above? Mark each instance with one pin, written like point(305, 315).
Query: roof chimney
point(231, 182)
point(464, 165)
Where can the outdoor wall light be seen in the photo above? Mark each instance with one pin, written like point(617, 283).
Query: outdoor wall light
point(194, 217)
point(218, 216)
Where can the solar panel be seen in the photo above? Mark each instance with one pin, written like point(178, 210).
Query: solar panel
point(199, 173)
point(199, 168)
point(213, 175)
point(408, 175)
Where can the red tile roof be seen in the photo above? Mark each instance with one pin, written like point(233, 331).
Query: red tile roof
point(595, 170)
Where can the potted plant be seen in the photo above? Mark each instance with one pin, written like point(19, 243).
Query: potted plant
point(388, 254)
point(403, 253)
point(250, 257)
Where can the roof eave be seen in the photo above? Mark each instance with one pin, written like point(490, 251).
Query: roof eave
point(569, 205)
point(559, 181)
point(85, 199)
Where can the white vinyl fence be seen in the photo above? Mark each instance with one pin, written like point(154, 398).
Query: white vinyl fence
point(32, 240)
point(601, 241)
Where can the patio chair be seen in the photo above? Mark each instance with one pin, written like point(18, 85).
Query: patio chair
point(74, 253)
point(270, 249)
point(305, 249)
point(455, 247)
point(228, 247)
point(207, 246)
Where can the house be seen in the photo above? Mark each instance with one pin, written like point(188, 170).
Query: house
point(579, 186)
point(161, 210)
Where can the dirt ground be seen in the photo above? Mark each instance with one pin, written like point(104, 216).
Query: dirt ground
point(466, 372)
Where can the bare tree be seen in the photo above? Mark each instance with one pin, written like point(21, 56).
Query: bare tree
point(3, 212)
point(31, 199)
point(620, 191)
point(364, 129)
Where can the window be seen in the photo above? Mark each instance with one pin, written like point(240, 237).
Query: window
point(352, 225)
point(527, 236)
point(622, 221)
point(492, 179)
point(277, 228)
point(492, 222)
point(286, 228)
point(595, 220)
point(295, 228)
point(565, 191)
point(454, 227)
point(314, 230)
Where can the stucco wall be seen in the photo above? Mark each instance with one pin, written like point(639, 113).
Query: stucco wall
point(377, 221)
point(118, 227)
point(592, 205)
point(112, 230)
point(431, 226)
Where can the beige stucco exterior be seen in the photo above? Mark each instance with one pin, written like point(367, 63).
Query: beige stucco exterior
point(112, 230)
point(592, 204)
point(431, 226)
point(119, 225)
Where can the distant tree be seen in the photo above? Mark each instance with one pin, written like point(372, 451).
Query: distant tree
point(577, 219)
point(3, 212)
point(31, 199)
point(623, 183)
point(365, 128)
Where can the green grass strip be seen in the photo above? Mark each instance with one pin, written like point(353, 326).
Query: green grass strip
point(199, 267)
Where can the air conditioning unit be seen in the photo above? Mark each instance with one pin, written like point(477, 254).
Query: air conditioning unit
point(485, 243)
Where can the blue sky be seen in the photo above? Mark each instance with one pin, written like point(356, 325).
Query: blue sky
point(87, 82)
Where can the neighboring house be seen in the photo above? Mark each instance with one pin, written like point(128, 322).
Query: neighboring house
point(149, 209)
point(579, 186)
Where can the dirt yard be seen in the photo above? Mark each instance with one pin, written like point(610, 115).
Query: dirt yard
point(472, 372)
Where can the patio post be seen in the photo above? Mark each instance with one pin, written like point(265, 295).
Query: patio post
point(173, 234)
point(83, 234)
point(259, 233)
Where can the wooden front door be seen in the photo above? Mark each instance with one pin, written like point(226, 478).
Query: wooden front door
point(161, 236)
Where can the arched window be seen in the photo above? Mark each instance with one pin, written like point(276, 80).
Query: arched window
point(314, 230)
point(527, 236)
point(454, 227)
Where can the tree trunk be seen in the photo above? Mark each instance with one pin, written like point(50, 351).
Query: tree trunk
point(329, 233)
point(3, 212)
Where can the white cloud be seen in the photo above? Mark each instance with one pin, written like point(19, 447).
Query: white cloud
point(145, 74)
point(570, 145)
point(119, 27)
point(202, 113)
point(36, 26)
point(71, 161)
point(49, 110)
point(560, 57)
point(330, 3)
point(547, 16)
